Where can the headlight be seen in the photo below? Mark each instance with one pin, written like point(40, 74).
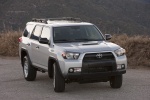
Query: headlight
point(120, 52)
point(70, 55)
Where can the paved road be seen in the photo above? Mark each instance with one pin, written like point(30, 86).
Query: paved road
point(136, 86)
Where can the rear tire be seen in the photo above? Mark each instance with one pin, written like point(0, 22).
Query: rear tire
point(116, 81)
point(58, 79)
point(28, 70)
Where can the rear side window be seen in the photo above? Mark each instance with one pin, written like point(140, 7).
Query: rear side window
point(46, 33)
point(36, 33)
point(28, 30)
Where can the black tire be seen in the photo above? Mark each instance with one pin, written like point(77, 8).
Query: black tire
point(50, 72)
point(116, 81)
point(58, 79)
point(28, 70)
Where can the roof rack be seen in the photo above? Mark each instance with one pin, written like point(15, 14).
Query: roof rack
point(44, 20)
point(39, 20)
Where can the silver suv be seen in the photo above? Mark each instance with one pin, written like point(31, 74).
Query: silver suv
point(70, 51)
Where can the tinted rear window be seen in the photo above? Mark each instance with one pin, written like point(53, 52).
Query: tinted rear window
point(28, 30)
point(37, 32)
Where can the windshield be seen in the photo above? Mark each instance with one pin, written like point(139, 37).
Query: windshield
point(76, 34)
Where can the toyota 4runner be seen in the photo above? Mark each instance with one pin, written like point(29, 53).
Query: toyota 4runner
point(70, 51)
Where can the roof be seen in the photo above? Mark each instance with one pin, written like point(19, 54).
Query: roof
point(63, 23)
point(56, 22)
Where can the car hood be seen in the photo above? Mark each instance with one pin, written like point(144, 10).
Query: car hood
point(93, 46)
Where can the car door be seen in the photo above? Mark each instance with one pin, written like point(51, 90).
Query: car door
point(34, 39)
point(44, 48)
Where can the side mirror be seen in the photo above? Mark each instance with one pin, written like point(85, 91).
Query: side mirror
point(108, 36)
point(44, 41)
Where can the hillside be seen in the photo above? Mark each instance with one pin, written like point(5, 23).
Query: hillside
point(111, 16)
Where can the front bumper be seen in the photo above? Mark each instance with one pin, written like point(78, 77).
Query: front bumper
point(94, 77)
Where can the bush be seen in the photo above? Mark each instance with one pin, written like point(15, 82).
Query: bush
point(9, 43)
point(137, 48)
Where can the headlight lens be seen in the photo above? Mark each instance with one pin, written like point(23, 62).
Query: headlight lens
point(120, 52)
point(70, 55)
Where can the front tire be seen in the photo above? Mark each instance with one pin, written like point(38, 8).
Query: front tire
point(116, 81)
point(28, 70)
point(58, 79)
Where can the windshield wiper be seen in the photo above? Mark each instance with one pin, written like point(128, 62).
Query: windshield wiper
point(88, 39)
point(75, 40)
point(63, 40)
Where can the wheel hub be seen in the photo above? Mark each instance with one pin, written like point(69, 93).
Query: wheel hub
point(25, 68)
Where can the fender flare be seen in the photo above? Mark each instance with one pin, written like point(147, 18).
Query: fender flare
point(57, 63)
point(24, 50)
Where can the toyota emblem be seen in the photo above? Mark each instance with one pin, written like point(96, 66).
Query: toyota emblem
point(99, 55)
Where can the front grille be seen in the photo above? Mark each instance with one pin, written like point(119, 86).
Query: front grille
point(92, 57)
point(102, 63)
point(94, 69)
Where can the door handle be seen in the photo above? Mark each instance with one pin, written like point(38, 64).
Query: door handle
point(37, 47)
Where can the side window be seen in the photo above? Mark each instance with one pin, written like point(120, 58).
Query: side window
point(46, 33)
point(28, 30)
point(36, 33)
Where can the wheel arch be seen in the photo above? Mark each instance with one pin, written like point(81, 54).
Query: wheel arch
point(24, 53)
point(51, 61)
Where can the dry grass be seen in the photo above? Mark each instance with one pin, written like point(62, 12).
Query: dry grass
point(9, 43)
point(137, 47)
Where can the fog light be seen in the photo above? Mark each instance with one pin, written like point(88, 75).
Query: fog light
point(74, 70)
point(71, 70)
point(118, 66)
point(122, 66)
point(77, 69)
